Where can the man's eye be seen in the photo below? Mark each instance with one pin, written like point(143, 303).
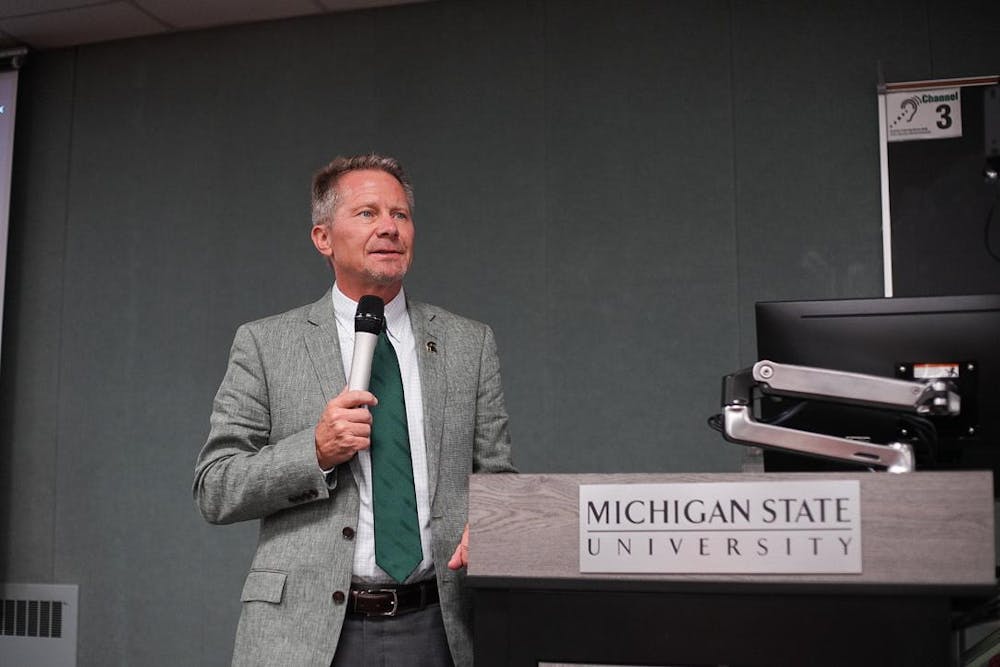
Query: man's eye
point(367, 214)
point(399, 215)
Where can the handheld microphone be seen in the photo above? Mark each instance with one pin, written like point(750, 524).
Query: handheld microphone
point(368, 323)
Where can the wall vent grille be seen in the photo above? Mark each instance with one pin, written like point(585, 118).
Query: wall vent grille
point(31, 618)
point(38, 624)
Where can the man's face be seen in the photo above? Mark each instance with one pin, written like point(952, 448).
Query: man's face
point(370, 240)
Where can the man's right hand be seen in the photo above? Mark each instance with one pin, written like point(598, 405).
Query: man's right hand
point(344, 428)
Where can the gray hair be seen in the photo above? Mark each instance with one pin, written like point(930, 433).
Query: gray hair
point(324, 185)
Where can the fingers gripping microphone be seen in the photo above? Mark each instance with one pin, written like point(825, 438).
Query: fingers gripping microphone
point(368, 323)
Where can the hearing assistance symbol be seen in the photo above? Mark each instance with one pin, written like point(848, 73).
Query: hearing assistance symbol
point(907, 110)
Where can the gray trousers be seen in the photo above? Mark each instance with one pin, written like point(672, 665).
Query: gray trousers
point(415, 639)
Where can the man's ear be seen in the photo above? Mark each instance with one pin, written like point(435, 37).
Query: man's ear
point(321, 239)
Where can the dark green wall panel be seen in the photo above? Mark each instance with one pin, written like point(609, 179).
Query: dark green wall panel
point(638, 236)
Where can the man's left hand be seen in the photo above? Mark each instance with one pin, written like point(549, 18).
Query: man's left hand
point(460, 558)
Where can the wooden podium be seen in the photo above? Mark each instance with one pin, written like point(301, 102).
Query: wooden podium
point(927, 539)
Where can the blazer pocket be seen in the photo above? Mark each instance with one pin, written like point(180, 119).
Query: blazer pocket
point(264, 586)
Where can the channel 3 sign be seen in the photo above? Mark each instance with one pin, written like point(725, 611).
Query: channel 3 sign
point(924, 114)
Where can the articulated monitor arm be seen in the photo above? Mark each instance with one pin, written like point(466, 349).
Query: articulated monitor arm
point(922, 397)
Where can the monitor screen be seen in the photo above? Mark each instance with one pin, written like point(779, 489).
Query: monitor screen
point(956, 337)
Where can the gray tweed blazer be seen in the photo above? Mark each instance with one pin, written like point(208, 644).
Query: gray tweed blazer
point(260, 463)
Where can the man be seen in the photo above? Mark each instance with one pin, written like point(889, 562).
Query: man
point(291, 446)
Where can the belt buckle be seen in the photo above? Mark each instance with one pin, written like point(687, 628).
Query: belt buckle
point(395, 601)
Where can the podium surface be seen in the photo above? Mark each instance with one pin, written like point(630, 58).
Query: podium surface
point(927, 538)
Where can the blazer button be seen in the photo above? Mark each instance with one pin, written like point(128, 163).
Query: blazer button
point(339, 597)
point(348, 533)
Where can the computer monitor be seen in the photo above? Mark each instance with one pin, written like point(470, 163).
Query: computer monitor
point(957, 337)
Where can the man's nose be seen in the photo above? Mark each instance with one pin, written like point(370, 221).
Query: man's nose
point(387, 226)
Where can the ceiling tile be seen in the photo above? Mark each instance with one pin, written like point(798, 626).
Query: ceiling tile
point(345, 5)
point(25, 7)
point(43, 24)
point(69, 27)
point(187, 14)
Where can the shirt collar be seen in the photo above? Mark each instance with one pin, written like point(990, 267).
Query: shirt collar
point(345, 308)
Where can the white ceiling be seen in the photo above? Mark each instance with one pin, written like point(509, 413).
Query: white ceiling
point(48, 24)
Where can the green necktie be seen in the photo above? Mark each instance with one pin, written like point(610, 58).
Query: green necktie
point(394, 501)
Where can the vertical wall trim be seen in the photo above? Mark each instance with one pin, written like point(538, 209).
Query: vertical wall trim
point(883, 158)
point(539, 9)
point(75, 92)
point(735, 181)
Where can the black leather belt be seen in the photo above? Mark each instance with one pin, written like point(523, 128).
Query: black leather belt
point(391, 600)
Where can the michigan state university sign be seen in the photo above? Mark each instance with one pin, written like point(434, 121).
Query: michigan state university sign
point(739, 527)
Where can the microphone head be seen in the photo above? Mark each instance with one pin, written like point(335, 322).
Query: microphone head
point(370, 317)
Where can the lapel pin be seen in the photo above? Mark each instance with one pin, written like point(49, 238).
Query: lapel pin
point(432, 346)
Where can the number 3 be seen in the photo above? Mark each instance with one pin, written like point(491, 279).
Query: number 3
point(945, 121)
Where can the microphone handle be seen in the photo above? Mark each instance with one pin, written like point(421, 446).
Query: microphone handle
point(361, 363)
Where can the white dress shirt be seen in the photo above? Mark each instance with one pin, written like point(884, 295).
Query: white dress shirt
point(401, 336)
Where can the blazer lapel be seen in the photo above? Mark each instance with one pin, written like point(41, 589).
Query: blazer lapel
point(323, 345)
point(431, 352)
